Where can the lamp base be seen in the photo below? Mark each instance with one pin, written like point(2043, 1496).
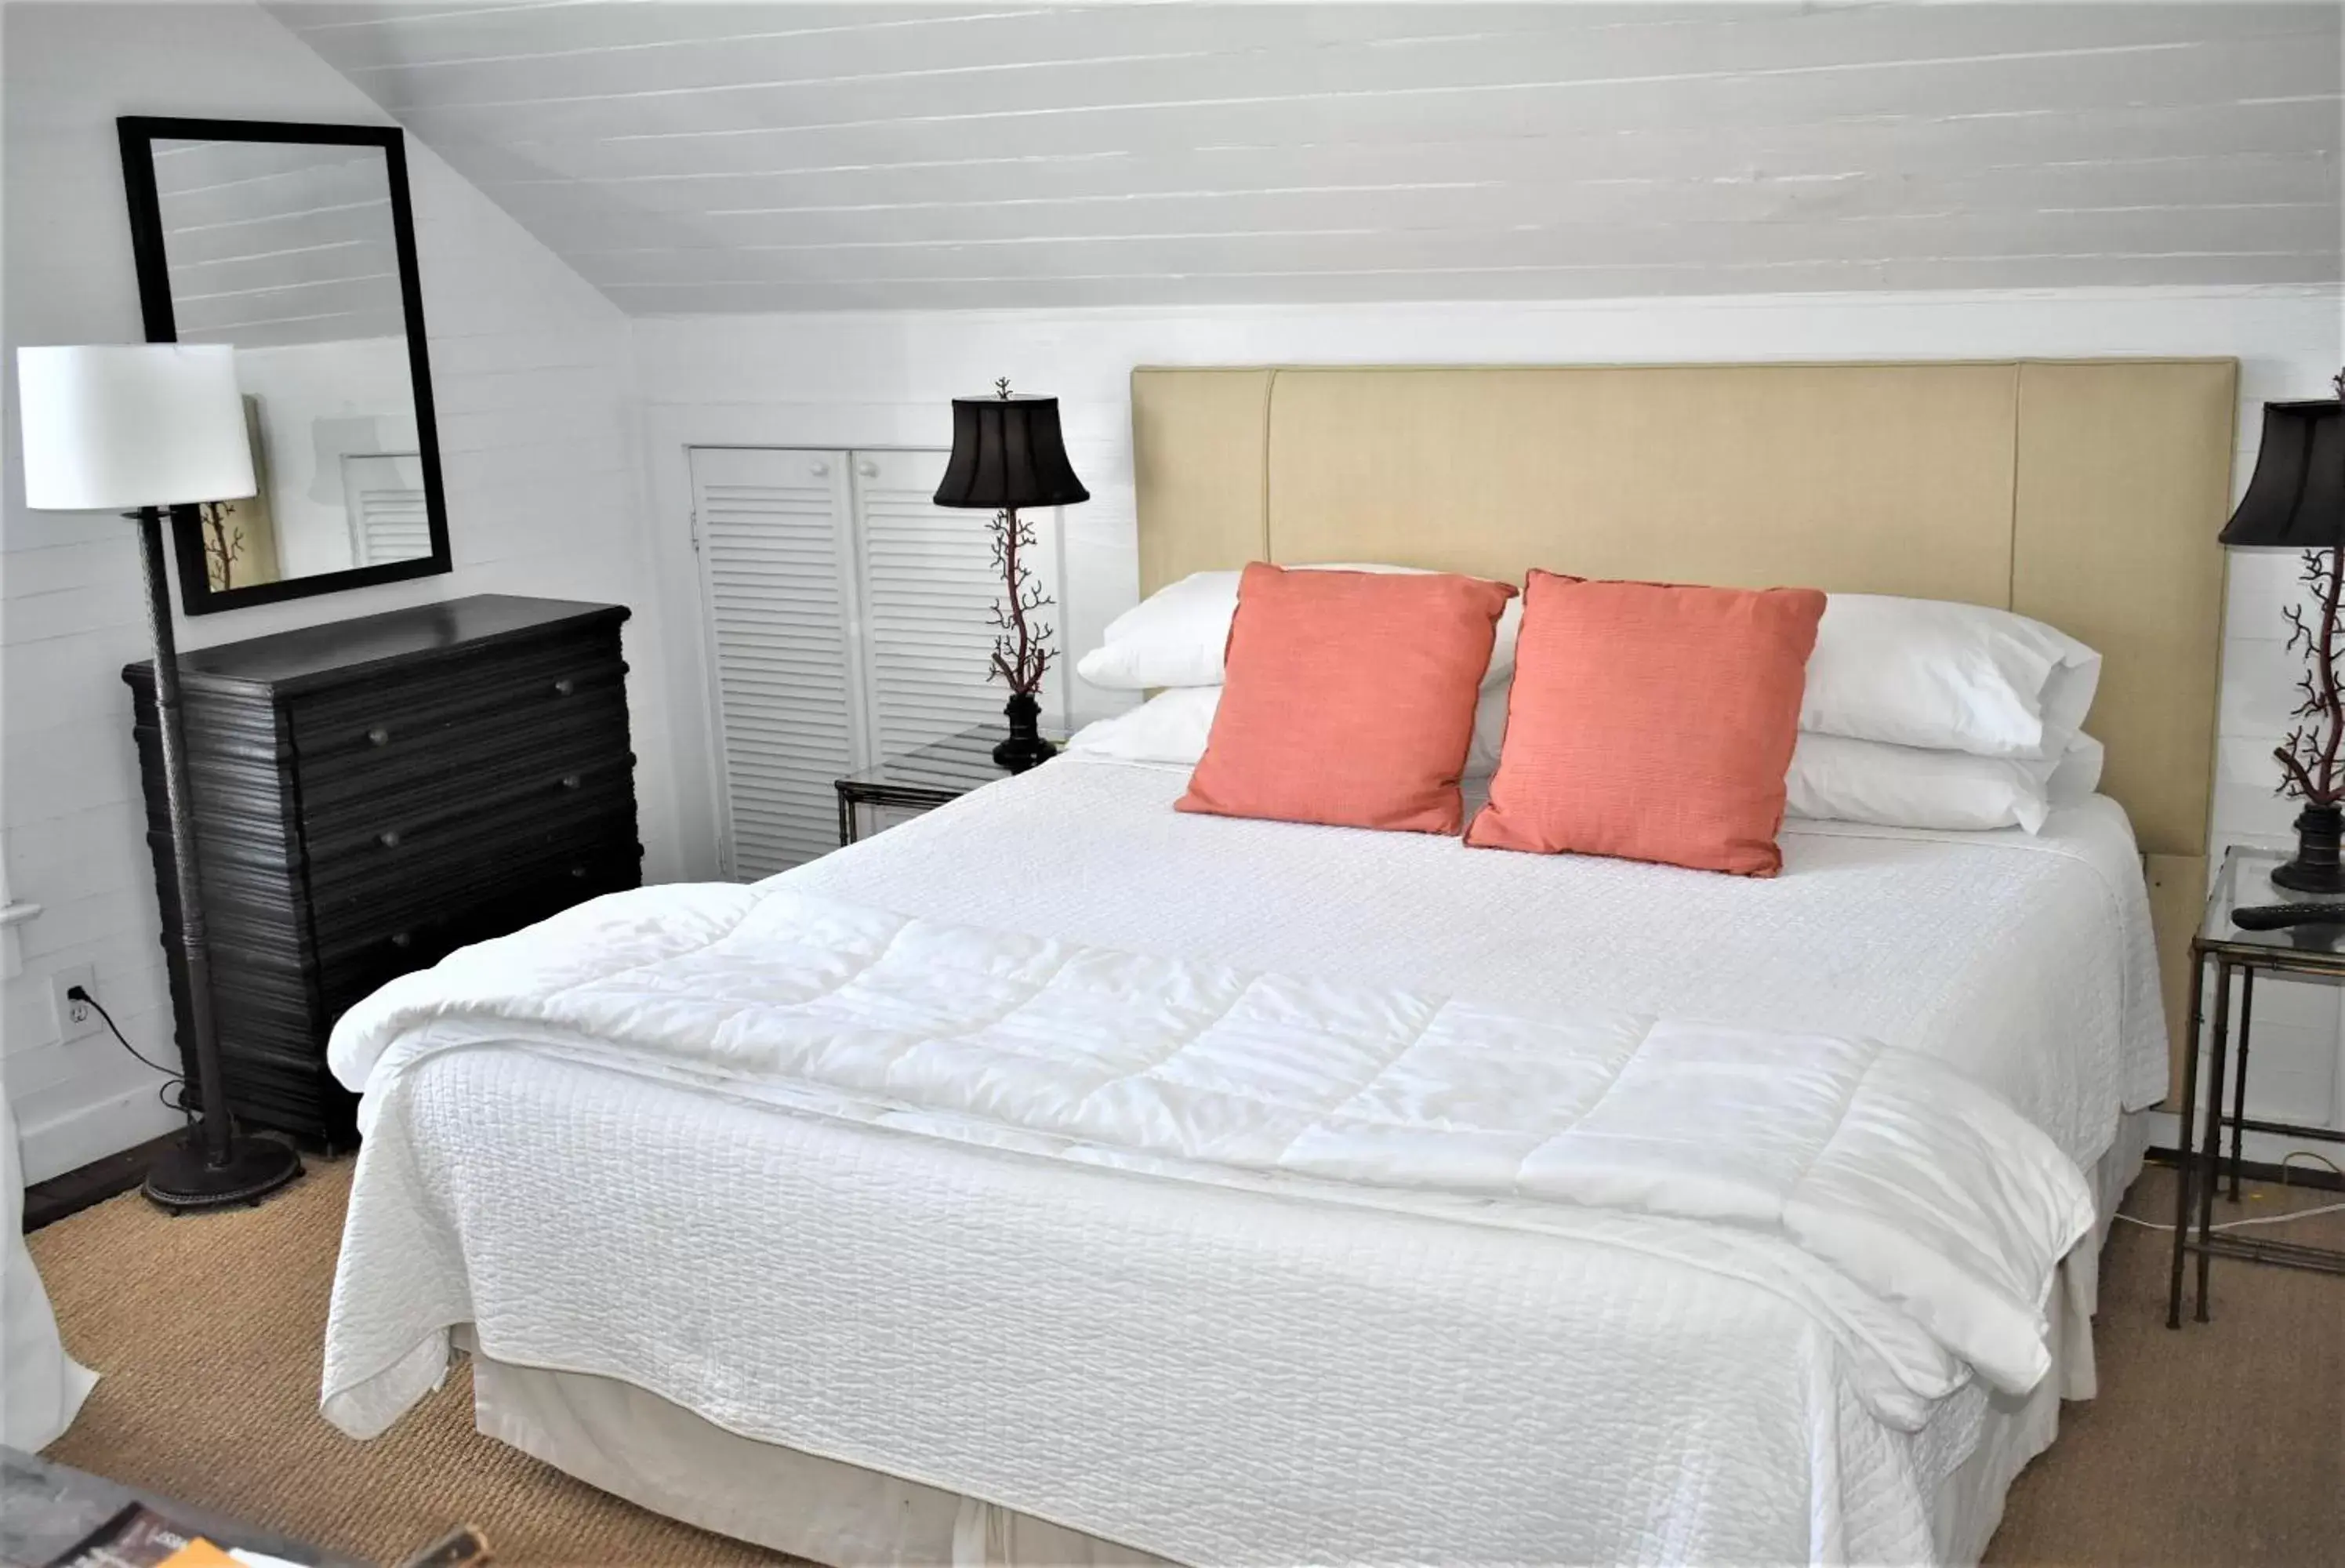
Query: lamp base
point(1025, 747)
point(181, 1176)
point(2317, 867)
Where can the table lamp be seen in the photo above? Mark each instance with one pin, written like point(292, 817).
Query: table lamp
point(1007, 453)
point(135, 428)
point(2296, 500)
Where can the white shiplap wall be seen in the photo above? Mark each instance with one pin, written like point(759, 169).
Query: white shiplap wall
point(537, 438)
point(843, 379)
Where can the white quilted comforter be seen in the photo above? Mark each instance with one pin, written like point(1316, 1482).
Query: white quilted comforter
point(1229, 1265)
point(1893, 1170)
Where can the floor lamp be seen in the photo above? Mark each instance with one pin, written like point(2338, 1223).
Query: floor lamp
point(136, 428)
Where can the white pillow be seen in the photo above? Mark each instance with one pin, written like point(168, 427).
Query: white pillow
point(2077, 777)
point(1942, 676)
point(1177, 635)
point(1170, 727)
point(1174, 637)
point(1173, 726)
point(1833, 778)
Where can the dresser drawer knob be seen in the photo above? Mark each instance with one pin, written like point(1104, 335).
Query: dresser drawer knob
point(379, 736)
point(569, 781)
point(579, 871)
point(403, 939)
point(388, 838)
point(565, 686)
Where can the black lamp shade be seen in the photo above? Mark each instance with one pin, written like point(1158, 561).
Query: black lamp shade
point(2296, 500)
point(1007, 452)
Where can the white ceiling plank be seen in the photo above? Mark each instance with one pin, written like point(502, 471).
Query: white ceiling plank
point(362, 37)
point(1046, 64)
point(1727, 112)
point(786, 157)
point(2246, 231)
point(1370, 285)
point(2123, 150)
point(1702, 145)
point(1107, 103)
point(2307, 182)
point(860, 38)
point(564, 50)
point(749, 43)
point(2114, 141)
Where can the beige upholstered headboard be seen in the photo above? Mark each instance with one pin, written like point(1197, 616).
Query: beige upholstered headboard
point(2084, 493)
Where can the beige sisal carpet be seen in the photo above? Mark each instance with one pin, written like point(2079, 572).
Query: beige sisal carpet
point(2222, 1444)
point(207, 1332)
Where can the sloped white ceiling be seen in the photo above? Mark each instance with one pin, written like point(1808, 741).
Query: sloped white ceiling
point(769, 156)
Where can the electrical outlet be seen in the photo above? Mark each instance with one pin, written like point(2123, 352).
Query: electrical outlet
point(75, 1018)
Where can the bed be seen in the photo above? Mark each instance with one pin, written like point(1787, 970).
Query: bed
point(821, 1326)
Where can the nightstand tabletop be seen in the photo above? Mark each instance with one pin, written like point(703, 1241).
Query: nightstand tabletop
point(930, 775)
point(2245, 881)
point(943, 769)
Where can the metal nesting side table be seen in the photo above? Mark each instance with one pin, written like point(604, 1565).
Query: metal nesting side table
point(2245, 880)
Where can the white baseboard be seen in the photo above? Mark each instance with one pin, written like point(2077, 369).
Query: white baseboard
point(91, 1132)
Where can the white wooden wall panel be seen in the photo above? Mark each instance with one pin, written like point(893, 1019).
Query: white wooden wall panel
point(776, 561)
point(764, 156)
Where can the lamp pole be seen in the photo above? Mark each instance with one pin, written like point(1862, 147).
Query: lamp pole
point(220, 1167)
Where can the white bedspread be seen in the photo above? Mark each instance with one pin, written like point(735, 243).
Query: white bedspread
point(1259, 1371)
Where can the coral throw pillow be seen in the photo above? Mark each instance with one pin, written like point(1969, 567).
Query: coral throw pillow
point(1349, 699)
point(1653, 722)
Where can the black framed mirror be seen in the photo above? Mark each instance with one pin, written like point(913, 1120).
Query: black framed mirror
point(296, 244)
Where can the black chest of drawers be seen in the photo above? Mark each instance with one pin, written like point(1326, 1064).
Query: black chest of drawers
point(371, 794)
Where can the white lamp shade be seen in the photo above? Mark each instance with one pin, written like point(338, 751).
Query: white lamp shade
point(118, 426)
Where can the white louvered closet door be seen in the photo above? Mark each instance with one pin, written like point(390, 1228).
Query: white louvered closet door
point(928, 579)
point(776, 561)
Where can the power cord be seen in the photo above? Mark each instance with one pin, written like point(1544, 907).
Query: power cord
point(174, 1088)
point(2286, 1160)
